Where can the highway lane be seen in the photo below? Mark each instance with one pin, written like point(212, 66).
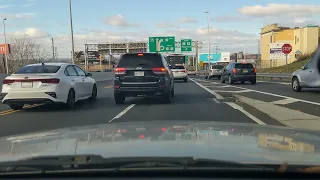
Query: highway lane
point(191, 102)
point(307, 101)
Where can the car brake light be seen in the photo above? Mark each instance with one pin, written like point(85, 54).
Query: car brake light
point(7, 81)
point(140, 54)
point(159, 70)
point(141, 136)
point(49, 81)
point(255, 70)
point(234, 70)
point(163, 129)
point(120, 71)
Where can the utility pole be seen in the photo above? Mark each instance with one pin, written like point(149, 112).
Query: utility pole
point(52, 42)
point(56, 53)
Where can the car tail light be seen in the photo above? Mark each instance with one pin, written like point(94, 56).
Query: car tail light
point(141, 136)
point(234, 70)
point(163, 129)
point(7, 81)
point(160, 70)
point(49, 81)
point(255, 70)
point(120, 71)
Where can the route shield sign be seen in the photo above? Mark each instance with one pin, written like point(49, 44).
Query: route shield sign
point(186, 45)
point(162, 44)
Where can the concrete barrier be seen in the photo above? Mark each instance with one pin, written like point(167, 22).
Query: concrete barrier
point(98, 76)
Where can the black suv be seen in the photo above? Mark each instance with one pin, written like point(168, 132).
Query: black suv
point(239, 72)
point(145, 74)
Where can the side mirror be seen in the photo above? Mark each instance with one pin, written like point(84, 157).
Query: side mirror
point(89, 75)
point(303, 67)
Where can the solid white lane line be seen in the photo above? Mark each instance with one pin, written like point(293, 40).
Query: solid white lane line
point(218, 96)
point(284, 101)
point(122, 112)
point(241, 91)
point(236, 106)
point(283, 83)
point(277, 95)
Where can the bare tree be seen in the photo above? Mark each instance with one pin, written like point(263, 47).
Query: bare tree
point(25, 51)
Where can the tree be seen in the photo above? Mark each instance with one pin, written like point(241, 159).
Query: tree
point(25, 51)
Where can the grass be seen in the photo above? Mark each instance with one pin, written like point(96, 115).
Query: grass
point(290, 68)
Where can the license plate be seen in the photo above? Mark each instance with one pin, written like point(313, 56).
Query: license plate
point(139, 73)
point(26, 84)
point(245, 71)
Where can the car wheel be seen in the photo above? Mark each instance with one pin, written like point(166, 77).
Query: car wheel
point(16, 106)
point(119, 98)
point(71, 101)
point(296, 85)
point(222, 80)
point(94, 92)
point(230, 81)
point(219, 77)
point(253, 81)
point(167, 98)
point(185, 79)
point(242, 82)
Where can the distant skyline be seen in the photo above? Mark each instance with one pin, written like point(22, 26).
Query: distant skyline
point(233, 23)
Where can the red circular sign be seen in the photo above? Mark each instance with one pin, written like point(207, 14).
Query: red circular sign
point(286, 48)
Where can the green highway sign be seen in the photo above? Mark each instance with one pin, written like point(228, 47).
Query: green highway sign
point(162, 44)
point(186, 45)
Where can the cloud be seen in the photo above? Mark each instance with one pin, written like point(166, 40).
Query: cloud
point(30, 32)
point(278, 9)
point(118, 21)
point(226, 19)
point(166, 25)
point(187, 20)
point(17, 16)
point(4, 6)
point(27, 5)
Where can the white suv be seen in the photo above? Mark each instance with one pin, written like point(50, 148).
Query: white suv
point(179, 72)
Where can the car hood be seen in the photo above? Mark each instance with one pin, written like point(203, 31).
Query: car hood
point(248, 143)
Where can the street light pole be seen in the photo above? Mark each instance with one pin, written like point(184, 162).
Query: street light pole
point(209, 43)
point(71, 26)
point(5, 43)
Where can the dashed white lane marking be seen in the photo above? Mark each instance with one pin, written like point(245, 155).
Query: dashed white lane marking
point(236, 106)
point(122, 112)
point(233, 105)
point(210, 91)
point(284, 101)
point(277, 95)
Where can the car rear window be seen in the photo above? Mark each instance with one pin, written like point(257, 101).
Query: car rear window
point(142, 60)
point(38, 69)
point(177, 67)
point(217, 67)
point(244, 66)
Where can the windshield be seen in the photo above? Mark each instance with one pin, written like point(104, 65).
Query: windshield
point(224, 80)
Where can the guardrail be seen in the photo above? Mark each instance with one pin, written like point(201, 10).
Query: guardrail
point(275, 77)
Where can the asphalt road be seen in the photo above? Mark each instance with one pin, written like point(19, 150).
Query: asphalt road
point(192, 101)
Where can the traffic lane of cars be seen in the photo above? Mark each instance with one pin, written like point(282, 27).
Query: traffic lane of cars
point(48, 117)
point(190, 102)
point(307, 101)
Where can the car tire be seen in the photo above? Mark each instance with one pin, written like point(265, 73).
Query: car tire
point(119, 98)
point(16, 106)
point(219, 77)
point(222, 80)
point(230, 81)
point(185, 79)
point(242, 82)
point(295, 84)
point(94, 92)
point(253, 81)
point(71, 101)
point(167, 97)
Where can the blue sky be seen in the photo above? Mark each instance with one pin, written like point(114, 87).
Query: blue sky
point(232, 23)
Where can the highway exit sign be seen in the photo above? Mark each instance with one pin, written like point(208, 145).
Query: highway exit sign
point(186, 45)
point(162, 44)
